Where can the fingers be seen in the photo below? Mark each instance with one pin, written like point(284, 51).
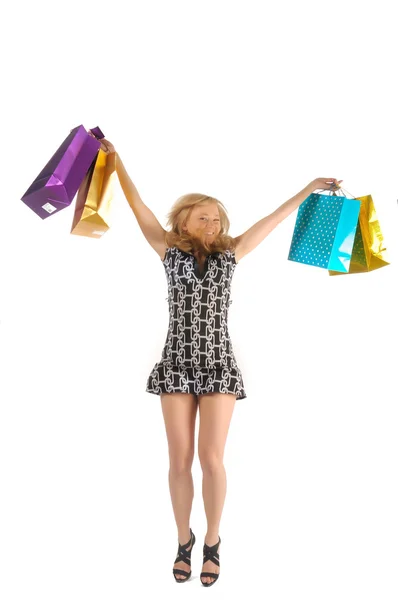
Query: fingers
point(333, 182)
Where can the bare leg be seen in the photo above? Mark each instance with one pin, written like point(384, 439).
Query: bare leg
point(214, 489)
point(215, 417)
point(179, 412)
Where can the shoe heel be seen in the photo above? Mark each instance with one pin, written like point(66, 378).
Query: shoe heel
point(184, 555)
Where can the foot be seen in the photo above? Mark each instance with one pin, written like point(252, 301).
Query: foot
point(208, 565)
point(181, 564)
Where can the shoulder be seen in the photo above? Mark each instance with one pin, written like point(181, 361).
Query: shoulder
point(232, 256)
point(166, 251)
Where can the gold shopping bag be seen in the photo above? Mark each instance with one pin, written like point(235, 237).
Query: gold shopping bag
point(94, 198)
point(369, 252)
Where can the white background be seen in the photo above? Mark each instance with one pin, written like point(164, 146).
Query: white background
point(249, 102)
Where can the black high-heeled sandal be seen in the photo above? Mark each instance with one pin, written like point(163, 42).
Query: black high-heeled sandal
point(211, 553)
point(184, 555)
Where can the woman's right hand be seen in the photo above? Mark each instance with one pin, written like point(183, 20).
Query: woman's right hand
point(107, 146)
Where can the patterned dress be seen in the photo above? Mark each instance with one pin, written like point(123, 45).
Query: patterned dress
point(198, 357)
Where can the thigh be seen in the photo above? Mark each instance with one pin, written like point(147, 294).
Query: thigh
point(179, 413)
point(215, 417)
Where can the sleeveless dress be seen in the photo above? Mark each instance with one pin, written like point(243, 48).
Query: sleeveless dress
point(197, 357)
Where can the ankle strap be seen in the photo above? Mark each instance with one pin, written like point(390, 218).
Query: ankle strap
point(185, 546)
point(183, 554)
point(211, 553)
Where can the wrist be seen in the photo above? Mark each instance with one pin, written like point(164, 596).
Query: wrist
point(311, 187)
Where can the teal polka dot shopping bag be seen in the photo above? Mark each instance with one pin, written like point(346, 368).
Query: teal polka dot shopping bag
point(324, 231)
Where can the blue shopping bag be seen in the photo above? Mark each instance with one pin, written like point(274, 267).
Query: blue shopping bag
point(324, 232)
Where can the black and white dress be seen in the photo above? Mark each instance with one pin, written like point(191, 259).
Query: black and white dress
point(198, 357)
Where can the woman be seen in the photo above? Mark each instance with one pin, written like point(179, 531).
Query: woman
point(198, 367)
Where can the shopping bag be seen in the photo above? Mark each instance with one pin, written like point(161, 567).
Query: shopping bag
point(56, 185)
point(369, 252)
point(324, 231)
point(94, 198)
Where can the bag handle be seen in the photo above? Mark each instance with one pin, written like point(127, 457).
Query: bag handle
point(353, 197)
point(332, 192)
point(339, 189)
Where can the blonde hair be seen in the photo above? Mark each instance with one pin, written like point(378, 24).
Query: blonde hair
point(178, 217)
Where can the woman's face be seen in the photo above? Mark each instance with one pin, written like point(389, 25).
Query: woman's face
point(204, 222)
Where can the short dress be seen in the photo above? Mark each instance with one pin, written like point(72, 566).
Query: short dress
point(198, 357)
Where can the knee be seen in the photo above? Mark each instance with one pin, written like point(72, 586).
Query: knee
point(181, 464)
point(211, 462)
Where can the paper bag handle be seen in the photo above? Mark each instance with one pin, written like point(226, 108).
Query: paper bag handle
point(341, 190)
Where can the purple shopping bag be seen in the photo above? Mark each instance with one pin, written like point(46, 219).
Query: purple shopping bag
point(56, 186)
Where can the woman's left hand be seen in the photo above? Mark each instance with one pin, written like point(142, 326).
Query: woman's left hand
point(106, 145)
point(325, 183)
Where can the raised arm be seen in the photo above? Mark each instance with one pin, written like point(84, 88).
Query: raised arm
point(150, 226)
point(259, 231)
